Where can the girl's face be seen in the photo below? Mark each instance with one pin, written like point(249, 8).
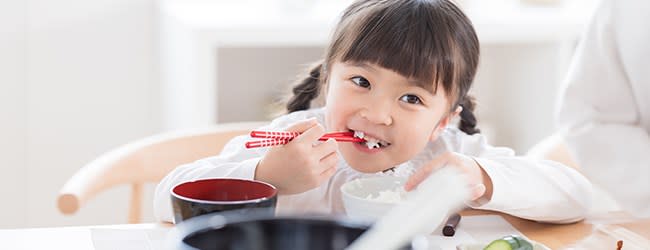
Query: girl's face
point(394, 114)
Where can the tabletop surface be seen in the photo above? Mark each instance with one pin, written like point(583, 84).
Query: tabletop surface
point(595, 232)
point(603, 228)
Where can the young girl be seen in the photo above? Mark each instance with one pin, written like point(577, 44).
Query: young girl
point(396, 73)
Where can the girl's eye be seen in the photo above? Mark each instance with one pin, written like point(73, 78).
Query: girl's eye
point(361, 82)
point(412, 99)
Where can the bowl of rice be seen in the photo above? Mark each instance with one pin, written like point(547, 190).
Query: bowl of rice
point(371, 198)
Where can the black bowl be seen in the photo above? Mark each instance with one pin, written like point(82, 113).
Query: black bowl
point(190, 199)
point(232, 232)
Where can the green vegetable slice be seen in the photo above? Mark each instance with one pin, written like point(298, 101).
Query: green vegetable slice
point(499, 245)
point(511, 242)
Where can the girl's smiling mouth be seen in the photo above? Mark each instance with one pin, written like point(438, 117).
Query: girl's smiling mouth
point(371, 141)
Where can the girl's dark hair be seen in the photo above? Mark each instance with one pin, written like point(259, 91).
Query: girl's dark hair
point(431, 41)
point(467, 119)
point(305, 90)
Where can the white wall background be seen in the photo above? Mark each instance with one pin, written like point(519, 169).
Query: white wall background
point(516, 88)
point(77, 78)
point(13, 105)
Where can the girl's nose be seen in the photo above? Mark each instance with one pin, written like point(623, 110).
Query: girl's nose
point(377, 113)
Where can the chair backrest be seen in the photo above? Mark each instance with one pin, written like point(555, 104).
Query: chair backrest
point(144, 161)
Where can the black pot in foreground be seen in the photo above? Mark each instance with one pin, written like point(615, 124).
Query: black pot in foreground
point(228, 231)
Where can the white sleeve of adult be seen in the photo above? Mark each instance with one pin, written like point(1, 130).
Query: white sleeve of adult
point(599, 115)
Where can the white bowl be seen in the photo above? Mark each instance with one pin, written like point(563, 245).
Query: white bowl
point(363, 198)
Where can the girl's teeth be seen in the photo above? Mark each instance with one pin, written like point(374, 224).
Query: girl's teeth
point(370, 142)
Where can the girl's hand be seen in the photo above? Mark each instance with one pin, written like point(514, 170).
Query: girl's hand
point(301, 164)
point(479, 181)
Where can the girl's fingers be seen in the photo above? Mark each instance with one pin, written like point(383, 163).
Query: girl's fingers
point(424, 172)
point(327, 174)
point(311, 135)
point(415, 179)
point(327, 162)
point(325, 148)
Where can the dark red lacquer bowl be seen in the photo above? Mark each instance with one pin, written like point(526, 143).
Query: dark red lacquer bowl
point(194, 198)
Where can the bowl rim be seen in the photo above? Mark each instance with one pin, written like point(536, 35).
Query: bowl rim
point(354, 197)
point(257, 200)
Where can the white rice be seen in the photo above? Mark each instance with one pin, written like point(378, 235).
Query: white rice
point(392, 196)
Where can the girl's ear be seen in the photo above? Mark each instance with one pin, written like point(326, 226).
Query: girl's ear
point(442, 124)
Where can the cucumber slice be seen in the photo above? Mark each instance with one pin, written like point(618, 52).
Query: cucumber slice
point(511, 242)
point(499, 245)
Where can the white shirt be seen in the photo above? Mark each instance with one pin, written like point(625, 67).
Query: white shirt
point(605, 111)
point(543, 191)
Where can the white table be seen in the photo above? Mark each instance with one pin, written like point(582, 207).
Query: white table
point(192, 32)
point(123, 237)
point(160, 236)
point(475, 226)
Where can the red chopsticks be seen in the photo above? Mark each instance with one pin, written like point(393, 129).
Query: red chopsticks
point(274, 138)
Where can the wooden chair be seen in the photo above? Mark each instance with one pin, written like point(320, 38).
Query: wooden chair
point(146, 160)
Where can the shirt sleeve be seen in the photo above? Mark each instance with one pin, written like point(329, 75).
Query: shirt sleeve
point(600, 113)
point(234, 161)
point(536, 190)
